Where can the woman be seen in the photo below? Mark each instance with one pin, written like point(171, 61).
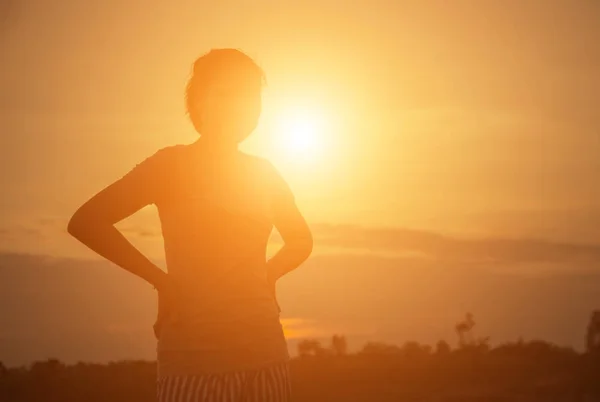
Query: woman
point(218, 329)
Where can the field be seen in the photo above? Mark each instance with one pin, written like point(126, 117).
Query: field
point(520, 371)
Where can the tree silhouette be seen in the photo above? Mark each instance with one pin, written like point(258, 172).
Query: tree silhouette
point(379, 348)
point(592, 337)
point(304, 348)
point(50, 366)
point(310, 347)
point(442, 348)
point(464, 329)
point(339, 346)
point(414, 350)
point(528, 371)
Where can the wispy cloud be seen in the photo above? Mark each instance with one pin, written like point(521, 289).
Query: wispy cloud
point(429, 244)
point(394, 241)
point(21, 231)
point(299, 328)
point(444, 247)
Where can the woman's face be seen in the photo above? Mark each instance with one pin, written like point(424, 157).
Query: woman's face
point(230, 108)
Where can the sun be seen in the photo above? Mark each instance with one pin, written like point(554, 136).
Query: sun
point(300, 133)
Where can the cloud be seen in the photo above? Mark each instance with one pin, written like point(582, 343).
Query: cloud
point(428, 244)
point(392, 241)
point(140, 231)
point(438, 246)
point(299, 328)
point(53, 222)
point(20, 231)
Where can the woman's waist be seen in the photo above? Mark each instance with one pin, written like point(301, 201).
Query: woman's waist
point(206, 263)
point(206, 361)
point(242, 311)
point(220, 333)
point(219, 279)
point(204, 316)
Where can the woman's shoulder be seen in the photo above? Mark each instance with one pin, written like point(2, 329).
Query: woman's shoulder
point(266, 172)
point(165, 155)
point(259, 163)
point(170, 151)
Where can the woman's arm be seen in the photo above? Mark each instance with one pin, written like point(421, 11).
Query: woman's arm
point(296, 235)
point(93, 223)
point(297, 239)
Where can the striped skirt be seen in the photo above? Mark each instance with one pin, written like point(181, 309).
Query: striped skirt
point(270, 384)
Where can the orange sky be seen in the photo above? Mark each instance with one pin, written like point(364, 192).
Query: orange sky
point(466, 118)
point(440, 115)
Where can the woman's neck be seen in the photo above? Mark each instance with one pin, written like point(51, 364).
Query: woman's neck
point(216, 147)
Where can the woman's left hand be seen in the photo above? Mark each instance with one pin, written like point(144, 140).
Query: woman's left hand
point(272, 284)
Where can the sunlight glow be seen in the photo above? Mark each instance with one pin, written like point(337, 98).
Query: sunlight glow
point(300, 132)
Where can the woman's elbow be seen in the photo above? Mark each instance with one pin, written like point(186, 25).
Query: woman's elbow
point(305, 246)
point(75, 226)
point(79, 225)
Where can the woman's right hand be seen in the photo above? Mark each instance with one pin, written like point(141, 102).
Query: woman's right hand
point(168, 303)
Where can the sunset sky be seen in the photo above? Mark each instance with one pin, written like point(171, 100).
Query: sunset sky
point(437, 128)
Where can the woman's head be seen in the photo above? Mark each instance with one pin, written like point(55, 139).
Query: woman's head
point(223, 95)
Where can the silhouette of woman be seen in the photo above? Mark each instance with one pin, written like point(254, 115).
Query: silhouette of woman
point(218, 329)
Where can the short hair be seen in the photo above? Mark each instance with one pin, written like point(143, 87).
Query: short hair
point(205, 71)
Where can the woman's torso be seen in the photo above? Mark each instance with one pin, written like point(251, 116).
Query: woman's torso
point(216, 221)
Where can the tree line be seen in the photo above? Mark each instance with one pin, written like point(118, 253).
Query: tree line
point(472, 370)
